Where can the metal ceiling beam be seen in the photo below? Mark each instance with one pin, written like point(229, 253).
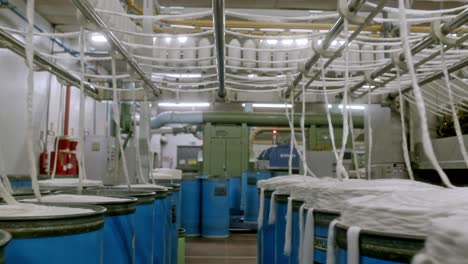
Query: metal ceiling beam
point(429, 40)
point(88, 11)
point(331, 35)
point(454, 67)
point(18, 47)
point(218, 21)
point(404, 71)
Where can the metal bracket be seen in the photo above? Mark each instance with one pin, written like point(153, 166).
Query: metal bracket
point(370, 80)
point(439, 36)
point(318, 48)
point(398, 62)
point(302, 69)
point(345, 13)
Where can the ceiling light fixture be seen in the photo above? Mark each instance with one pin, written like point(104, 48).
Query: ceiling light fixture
point(186, 104)
point(272, 41)
point(182, 39)
point(98, 38)
point(262, 105)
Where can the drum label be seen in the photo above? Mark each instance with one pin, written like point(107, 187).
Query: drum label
point(320, 243)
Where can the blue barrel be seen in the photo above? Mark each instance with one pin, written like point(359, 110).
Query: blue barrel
point(5, 238)
point(175, 221)
point(234, 195)
point(215, 207)
point(190, 189)
point(160, 222)
point(281, 203)
point(160, 212)
point(251, 210)
point(266, 235)
point(244, 177)
point(144, 220)
point(59, 239)
point(322, 219)
point(169, 225)
point(378, 247)
point(295, 232)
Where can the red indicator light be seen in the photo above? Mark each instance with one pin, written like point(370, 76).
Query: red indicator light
point(275, 132)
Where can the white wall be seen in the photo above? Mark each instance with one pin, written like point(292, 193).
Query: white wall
point(13, 114)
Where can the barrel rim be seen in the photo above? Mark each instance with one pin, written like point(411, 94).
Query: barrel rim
point(143, 197)
point(97, 210)
point(281, 198)
point(5, 237)
point(392, 251)
point(57, 225)
point(380, 233)
point(126, 199)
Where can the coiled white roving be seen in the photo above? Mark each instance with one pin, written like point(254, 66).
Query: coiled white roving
point(403, 212)
point(273, 184)
point(331, 195)
point(446, 242)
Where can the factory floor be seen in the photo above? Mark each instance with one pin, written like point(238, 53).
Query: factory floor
point(238, 248)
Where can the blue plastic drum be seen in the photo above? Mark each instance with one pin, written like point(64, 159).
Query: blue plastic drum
point(322, 220)
point(215, 207)
point(281, 203)
point(377, 247)
point(190, 189)
point(244, 177)
point(169, 225)
point(175, 221)
point(5, 238)
point(295, 232)
point(74, 239)
point(234, 194)
point(251, 211)
point(266, 235)
point(144, 220)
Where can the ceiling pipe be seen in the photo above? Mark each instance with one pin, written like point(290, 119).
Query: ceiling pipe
point(251, 119)
point(248, 25)
point(218, 22)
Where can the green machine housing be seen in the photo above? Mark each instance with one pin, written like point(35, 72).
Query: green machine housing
point(225, 149)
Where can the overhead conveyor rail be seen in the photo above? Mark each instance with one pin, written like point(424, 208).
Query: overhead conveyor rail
point(334, 32)
point(429, 40)
point(18, 47)
point(88, 11)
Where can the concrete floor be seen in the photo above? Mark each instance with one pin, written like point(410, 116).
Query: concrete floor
point(239, 248)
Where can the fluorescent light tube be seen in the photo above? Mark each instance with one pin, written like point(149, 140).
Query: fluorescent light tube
point(193, 104)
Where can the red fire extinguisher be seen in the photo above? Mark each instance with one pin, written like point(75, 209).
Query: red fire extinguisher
point(43, 163)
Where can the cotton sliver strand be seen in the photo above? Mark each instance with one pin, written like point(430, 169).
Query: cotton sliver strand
point(446, 242)
point(403, 212)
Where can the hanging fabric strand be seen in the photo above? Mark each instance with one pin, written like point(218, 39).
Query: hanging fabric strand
point(403, 130)
point(30, 99)
point(117, 128)
point(79, 155)
point(456, 120)
point(370, 137)
point(341, 171)
point(136, 141)
point(427, 143)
